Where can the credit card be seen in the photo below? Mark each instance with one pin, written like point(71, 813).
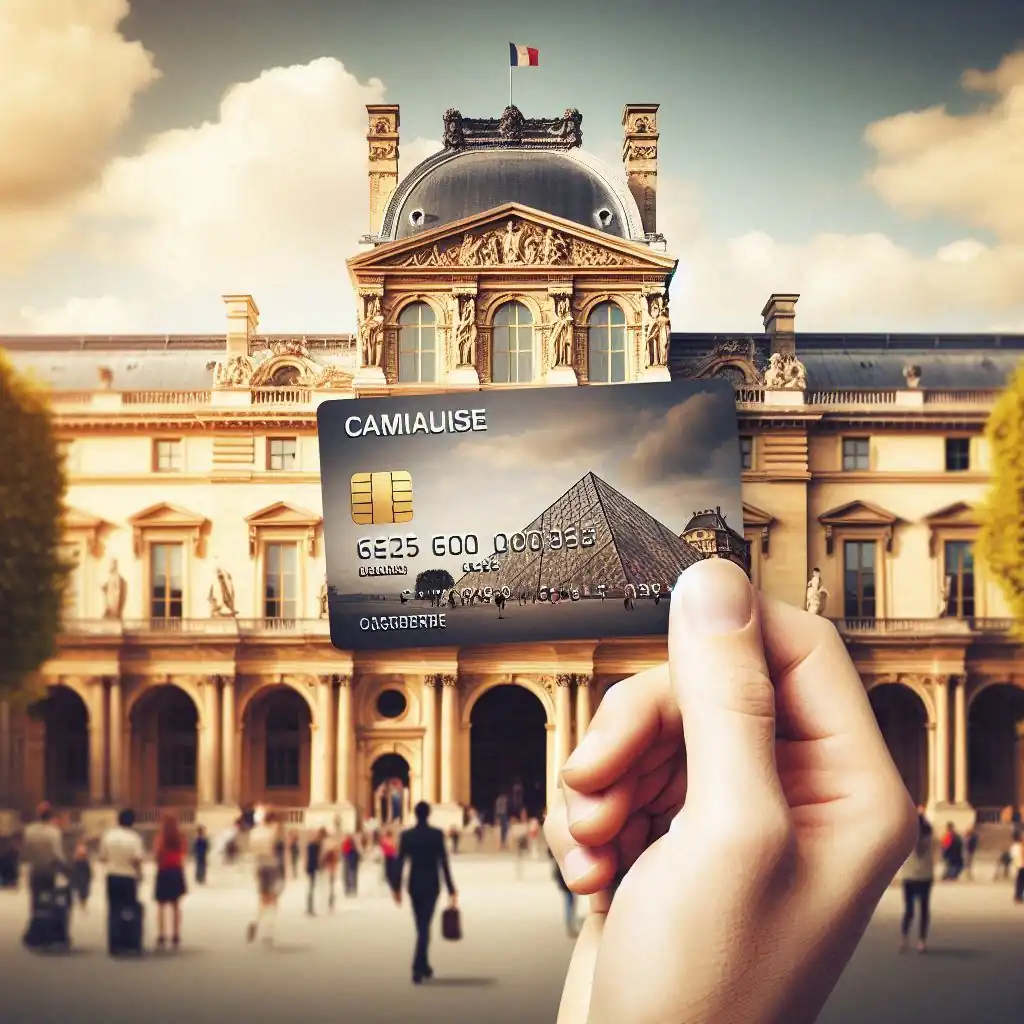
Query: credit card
point(527, 515)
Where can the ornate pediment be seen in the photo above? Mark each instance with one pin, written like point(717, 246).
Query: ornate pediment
point(512, 236)
point(960, 517)
point(859, 515)
point(169, 519)
point(282, 517)
point(85, 524)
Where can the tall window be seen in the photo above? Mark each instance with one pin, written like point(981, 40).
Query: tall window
point(746, 452)
point(282, 453)
point(606, 344)
point(958, 454)
point(855, 453)
point(283, 743)
point(167, 455)
point(512, 345)
point(166, 562)
point(959, 573)
point(859, 579)
point(280, 586)
point(417, 344)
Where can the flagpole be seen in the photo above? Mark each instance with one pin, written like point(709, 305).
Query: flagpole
point(510, 82)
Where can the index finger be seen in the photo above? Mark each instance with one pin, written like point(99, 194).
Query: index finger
point(632, 717)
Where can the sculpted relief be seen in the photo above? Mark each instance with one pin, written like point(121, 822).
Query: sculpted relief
point(561, 333)
point(465, 330)
point(785, 372)
point(371, 332)
point(517, 244)
point(657, 331)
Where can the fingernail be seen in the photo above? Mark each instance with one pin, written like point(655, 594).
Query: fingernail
point(587, 750)
point(715, 597)
point(578, 864)
point(579, 807)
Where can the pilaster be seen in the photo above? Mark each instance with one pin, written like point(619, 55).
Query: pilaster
point(448, 737)
point(430, 758)
point(98, 734)
point(382, 141)
point(940, 793)
point(563, 721)
point(343, 741)
point(584, 706)
point(209, 741)
point(116, 748)
point(960, 740)
point(318, 761)
point(228, 746)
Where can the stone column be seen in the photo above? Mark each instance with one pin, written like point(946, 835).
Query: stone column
point(584, 706)
point(563, 722)
point(118, 728)
point(6, 751)
point(1018, 766)
point(960, 741)
point(209, 736)
point(552, 772)
point(228, 749)
point(343, 741)
point(429, 774)
point(941, 794)
point(449, 736)
point(318, 743)
point(929, 797)
point(98, 733)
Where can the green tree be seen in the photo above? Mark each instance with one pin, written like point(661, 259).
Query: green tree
point(433, 580)
point(33, 574)
point(1001, 540)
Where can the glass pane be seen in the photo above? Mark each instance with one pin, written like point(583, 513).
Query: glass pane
point(618, 367)
point(867, 555)
point(407, 368)
point(851, 555)
point(525, 374)
point(289, 558)
point(428, 371)
point(273, 558)
point(617, 337)
point(500, 367)
point(599, 365)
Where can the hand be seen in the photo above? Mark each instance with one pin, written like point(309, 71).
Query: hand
point(397, 896)
point(743, 904)
point(453, 901)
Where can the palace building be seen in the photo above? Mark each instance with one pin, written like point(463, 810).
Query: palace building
point(195, 669)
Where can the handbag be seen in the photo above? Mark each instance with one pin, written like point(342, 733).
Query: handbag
point(451, 924)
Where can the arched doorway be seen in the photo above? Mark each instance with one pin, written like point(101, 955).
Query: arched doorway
point(390, 789)
point(278, 731)
point(994, 748)
point(508, 751)
point(165, 749)
point(903, 720)
point(66, 747)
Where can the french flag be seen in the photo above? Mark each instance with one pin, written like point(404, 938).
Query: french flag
point(523, 56)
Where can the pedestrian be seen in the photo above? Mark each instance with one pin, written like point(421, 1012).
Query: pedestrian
point(389, 857)
point(918, 875)
point(169, 853)
point(424, 848)
point(952, 853)
point(42, 850)
point(122, 852)
point(329, 858)
point(454, 834)
point(501, 819)
point(200, 854)
point(350, 856)
point(262, 843)
point(81, 876)
point(314, 851)
point(971, 841)
point(294, 851)
point(521, 841)
point(1017, 863)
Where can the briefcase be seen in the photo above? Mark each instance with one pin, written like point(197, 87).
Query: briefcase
point(451, 924)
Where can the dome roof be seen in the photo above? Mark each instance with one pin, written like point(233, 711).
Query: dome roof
point(454, 184)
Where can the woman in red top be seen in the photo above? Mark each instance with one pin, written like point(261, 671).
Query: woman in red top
point(169, 852)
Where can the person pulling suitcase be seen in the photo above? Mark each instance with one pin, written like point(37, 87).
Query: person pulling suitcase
point(122, 851)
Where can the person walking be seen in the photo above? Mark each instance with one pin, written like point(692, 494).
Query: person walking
point(42, 851)
point(952, 853)
point(122, 853)
point(294, 853)
point(263, 848)
point(423, 847)
point(314, 851)
point(389, 857)
point(350, 857)
point(501, 819)
point(330, 855)
point(971, 841)
point(80, 876)
point(169, 852)
point(918, 876)
point(200, 854)
point(1017, 863)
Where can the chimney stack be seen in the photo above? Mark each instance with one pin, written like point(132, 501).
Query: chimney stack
point(243, 318)
point(382, 139)
point(640, 156)
point(779, 316)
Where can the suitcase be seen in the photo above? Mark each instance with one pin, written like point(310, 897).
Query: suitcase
point(124, 929)
point(48, 927)
point(451, 924)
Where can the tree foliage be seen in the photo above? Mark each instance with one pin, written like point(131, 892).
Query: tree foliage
point(33, 573)
point(1001, 542)
point(432, 580)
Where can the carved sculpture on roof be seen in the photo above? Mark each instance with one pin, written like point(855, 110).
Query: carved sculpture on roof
point(382, 151)
point(785, 372)
point(222, 595)
point(371, 332)
point(912, 375)
point(648, 152)
point(288, 347)
point(465, 330)
point(561, 333)
point(235, 371)
point(643, 125)
point(732, 358)
point(516, 244)
point(331, 378)
point(513, 129)
point(381, 126)
point(657, 331)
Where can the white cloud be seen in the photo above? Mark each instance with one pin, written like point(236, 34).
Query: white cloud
point(269, 199)
point(68, 79)
point(105, 314)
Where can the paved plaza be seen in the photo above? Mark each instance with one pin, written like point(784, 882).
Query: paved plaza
point(353, 965)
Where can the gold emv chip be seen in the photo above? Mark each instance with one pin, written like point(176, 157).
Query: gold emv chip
point(382, 497)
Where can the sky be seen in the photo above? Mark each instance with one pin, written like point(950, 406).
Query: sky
point(158, 155)
point(677, 455)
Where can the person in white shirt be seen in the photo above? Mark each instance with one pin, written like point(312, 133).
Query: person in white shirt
point(263, 845)
point(42, 850)
point(1017, 862)
point(122, 853)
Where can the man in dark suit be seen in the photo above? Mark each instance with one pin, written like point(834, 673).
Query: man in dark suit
point(423, 846)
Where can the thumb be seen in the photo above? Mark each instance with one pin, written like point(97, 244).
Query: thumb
point(720, 679)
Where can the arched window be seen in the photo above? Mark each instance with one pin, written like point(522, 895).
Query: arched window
point(512, 345)
point(606, 344)
point(417, 344)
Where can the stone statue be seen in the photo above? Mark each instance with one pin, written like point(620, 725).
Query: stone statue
point(511, 243)
point(785, 372)
point(324, 599)
point(234, 372)
point(561, 333)
point(912, 375)
point(465, 331)
point(222, 595)
point(371, 332)
point(658, 333)
point(113, 593)
point(454, 136)
point(817, 595)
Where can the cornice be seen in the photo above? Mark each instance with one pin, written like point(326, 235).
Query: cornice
point(185, 421)
point(216, 476)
